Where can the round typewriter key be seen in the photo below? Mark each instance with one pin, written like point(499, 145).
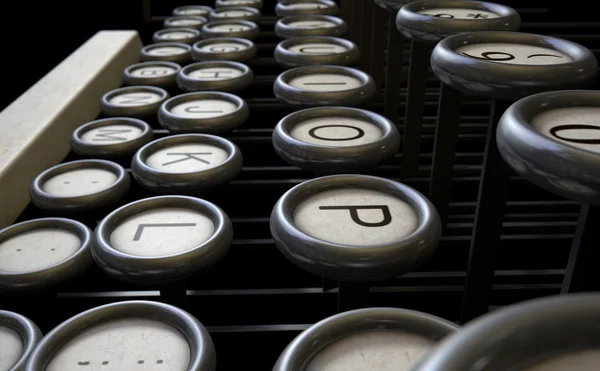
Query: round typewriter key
point(286, 8)
point(355, 227)
point(316, 50)
point(167, 51)
point(510, 65)
point(134, 101)
point(324, 86)
point(242, 13)
point(199, 10)
point(231, 28)
point(335, 139)
point(386, 339)
point(161, 239)
point(553, 140)
point(18, 337)
point(185, 21)
point(203, 112)
point(310, 25)
point(499, 338)
point(223, 76)
point(186, 164)
point(156, 73)
point(79, 185)
point(224, 48)
point(431, 21)
point(110, 138)
point(43, 252)
point(258, 4)
point(183, 35)
point(129, 335)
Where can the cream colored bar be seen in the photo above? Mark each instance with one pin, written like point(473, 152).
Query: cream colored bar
point(35, 129)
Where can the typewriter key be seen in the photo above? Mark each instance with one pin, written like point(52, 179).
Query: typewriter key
point(134, 101)
point(286, 8)
point(324, 86)
point(161, 239)
point(547, 334)
point(258, 4)
point(43, 252)
point(224, 48)
point(110, 138)
point(335, 140)
point(385, 339)
point(79, 186)
point(169, 52)
point(426, 22)
point(182, 35)
point(242, 13)
point(186, 21)
point(316, 50)
point(355, 227)
point(129, 335)
point(203, 112)
point(198, 10)
point(310, 25)
point(18, 337)
point(155, 73)
point(231, 28)
point(222, 76)
point(186, 164)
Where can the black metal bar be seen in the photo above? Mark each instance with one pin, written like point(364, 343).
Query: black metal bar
point(353, 20)
point(446, 136)
point(378, 43)
point(353, 295)
point(415, 101)
point(393, 68)
point(366, 46)
point(175, 293)
point(582, 270)
point(328, 284)
point(489, 215)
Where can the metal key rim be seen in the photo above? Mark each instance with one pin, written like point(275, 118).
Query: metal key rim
point(112, 194)
point(338, 261)
point(300, 351)
point(161, 269)
point(62, 271)
point(141, 111)
point(258, 4)
point(318, 158)
point(254, 16)
point(289, 59)
point(202, 351)
point(157, 36)
point(190, 84)
point(284, 30)
point(249, 34)
point(187, 183)
point(164, 81)
point(179, 10)
point(200, 19)
point(181, 59)
point(282, 9)
point(28, 331)
point(244, 55)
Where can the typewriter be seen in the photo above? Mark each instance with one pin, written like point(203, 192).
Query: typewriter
point(306, 185)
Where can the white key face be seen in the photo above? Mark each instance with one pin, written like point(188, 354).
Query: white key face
point(230, 28)
point(586, 360)
point(355, 216)
point(215, 73)
point(336, 132)
point(37, 250)
point(187, 158)
point(458, 13)
point(311, 24)
point(325, 82)
point(167, 51)
point(139, 98)
point(514, 54)
point(223, 47)
point(318, 48)
point(111, 134)
point(176, 35)
point(240, 2)
point(203, 109)
point(80, 182)
point(307, 5)
point(124, 345)
point(162, 232)
point(235, 13)
point(575, 126)
point(153, 71)
point(379, 350)
point(11, 348)
point(193, 11)
point(185, 22)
